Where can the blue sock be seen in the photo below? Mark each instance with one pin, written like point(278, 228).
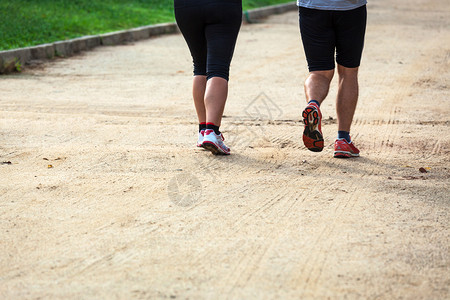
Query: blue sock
point(314, 101)
point(344, 135)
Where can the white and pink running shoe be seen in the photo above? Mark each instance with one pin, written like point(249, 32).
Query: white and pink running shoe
point(214, 143)
point(201, 135)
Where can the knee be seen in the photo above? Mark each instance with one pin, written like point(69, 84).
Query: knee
point(322, 76)
point(218, 69)
point(347, 73)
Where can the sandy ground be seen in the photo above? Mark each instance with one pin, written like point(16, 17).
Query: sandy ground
point(107, 196)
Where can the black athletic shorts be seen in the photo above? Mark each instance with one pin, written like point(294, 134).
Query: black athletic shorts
point(210, 28)
point(326, 31)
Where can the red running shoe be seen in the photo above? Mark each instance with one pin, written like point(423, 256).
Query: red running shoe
point(312, 135)
point(344, 149)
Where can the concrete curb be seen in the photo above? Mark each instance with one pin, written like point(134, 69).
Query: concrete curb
point(14, 60)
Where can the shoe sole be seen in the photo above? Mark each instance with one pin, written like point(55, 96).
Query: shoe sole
point(345, 155)
point(213, 148)
point(312, 137)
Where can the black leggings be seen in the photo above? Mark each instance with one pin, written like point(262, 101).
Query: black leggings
point(210, 28)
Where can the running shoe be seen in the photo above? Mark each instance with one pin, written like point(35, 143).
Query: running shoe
point(201, 135)
point(312, 135)
point(214, 143)
point(344, 149)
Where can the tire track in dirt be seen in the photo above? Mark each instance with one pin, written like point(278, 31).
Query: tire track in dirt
point(402, 77)
point(262, 211)
point(245, 268)
point(390, 126)
point(249, 263)
point(389, 134)
point(308, 273)
point(263, 162)
point(260, 166)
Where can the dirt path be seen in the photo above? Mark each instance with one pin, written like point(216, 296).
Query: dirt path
point(106, 196)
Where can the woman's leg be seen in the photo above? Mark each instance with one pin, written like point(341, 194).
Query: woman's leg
point(224, 21)
point(215, 98)
point(198, 93)
point(191, 24)
point(221, 35)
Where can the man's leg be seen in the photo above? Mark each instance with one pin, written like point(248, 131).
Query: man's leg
point(317, 85)
point(316, 89)
point(350, 29)
point(346, 100)
point(347, 97)
point(318, 39)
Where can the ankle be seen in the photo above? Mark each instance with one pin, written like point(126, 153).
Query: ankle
point(315, 102)
point(344, 135)
point(201, 126)
point(213, 127)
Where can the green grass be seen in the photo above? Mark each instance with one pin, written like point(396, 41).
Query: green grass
point(32, 22)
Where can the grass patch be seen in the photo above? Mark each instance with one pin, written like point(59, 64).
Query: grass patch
point(28, 22)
